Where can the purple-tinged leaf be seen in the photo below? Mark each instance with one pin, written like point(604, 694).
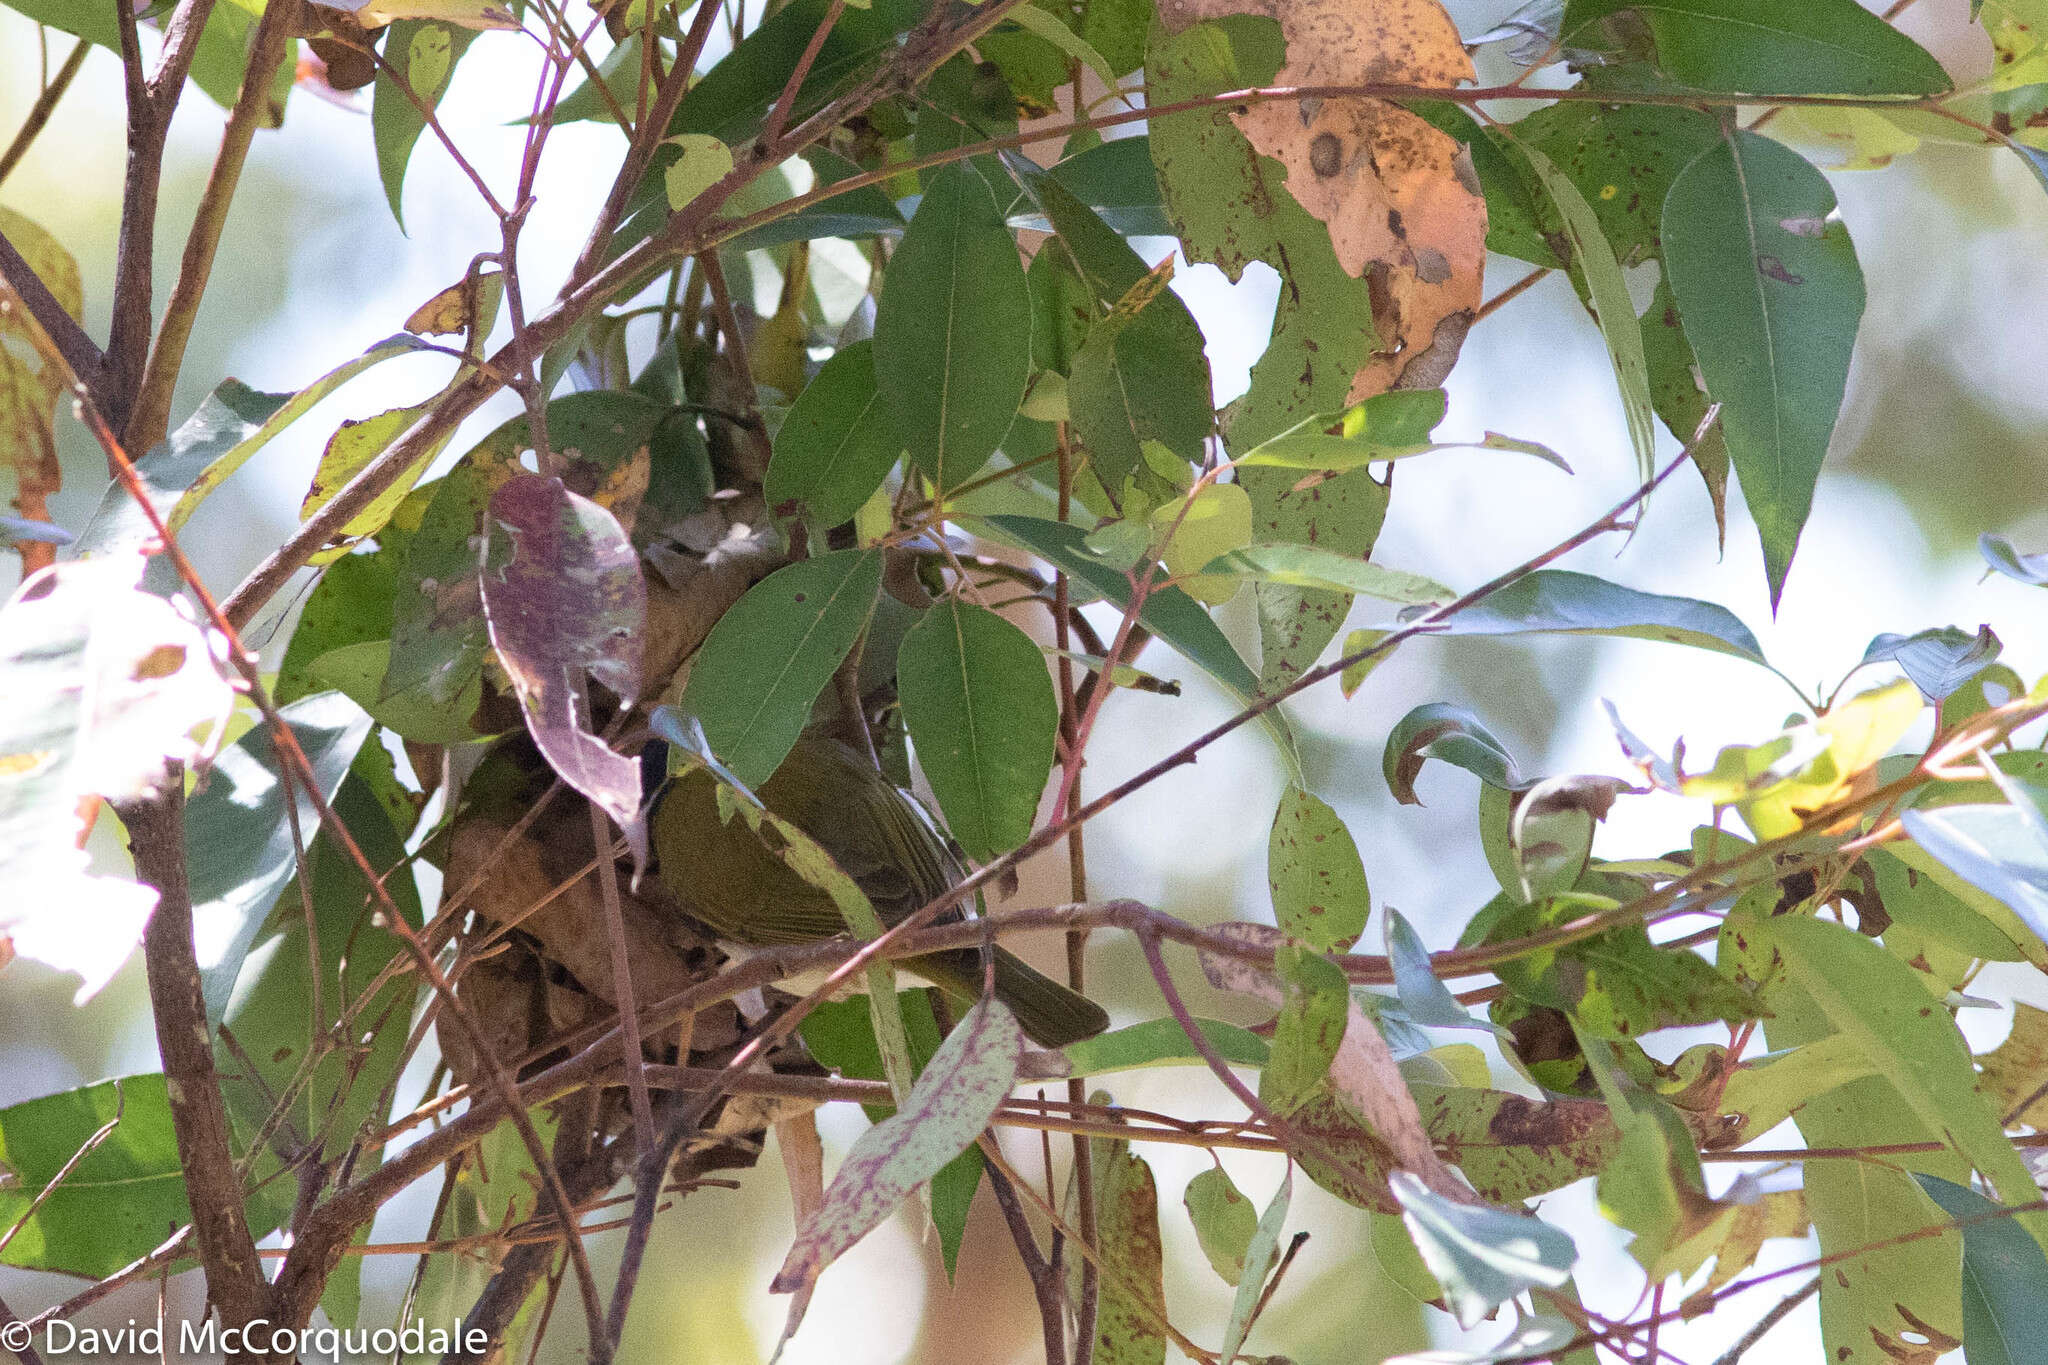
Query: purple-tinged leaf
point(565, 601)
point(1938, 661)
point(949, 1106)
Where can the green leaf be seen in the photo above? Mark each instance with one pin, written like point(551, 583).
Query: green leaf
point(1224, 1221)
point(953, 329)
point(1168, 613)
point(1450, 733)
point(358, 671)
point(1910, 1287)
point(1133, 1302)
point(238, 840)
point(951, 1103)
point(1162, 1042)
point(1481, 1256)
point(1316, 876)
point(772, 653)
point(1559, 601)
point(1617, 984)
point(1907, 1034)
point(1762, 47)
point(424, 52)
point(353, 445)
point(2005, 1279)
point(1771, 295)
point(1260, 1258)
point(1044, 25)
point(1595, 258)
point(1312, 566)
point(1231, 207)
point(352, 604)
point(270, 1011)
point(730, 100)
point(233, 423)
point(837, 444)
point(980, 707)
point(1141, 375)
point(701, 162)
point(117, 1204)
point(1315, 1004)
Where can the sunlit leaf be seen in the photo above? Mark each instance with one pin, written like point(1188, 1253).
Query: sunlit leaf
point(1450, 733)
point(117, 1204)
point(1260, 1257)
point(1315, 874)
point(1162, 1042)
point(1224, 1221)
point(1940, 660)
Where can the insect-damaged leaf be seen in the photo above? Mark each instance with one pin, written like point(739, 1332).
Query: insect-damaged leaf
point(1396, 197)
point(564, 599)
point(947, 1109)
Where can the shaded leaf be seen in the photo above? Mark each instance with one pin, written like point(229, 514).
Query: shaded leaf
point(953, 329)
point(1608, 290)
point(981, 712)
point(772, 653)
point(1759, 47)
point(238, 838)
point(2005, 1279)
point(837, 444)
point(1427, 999)
point(1451, 733)
point(1999, 553)
point(1312, 566)
point(1939, 661)
point(565, 602)
point(1767, 282)
point(1560, 601)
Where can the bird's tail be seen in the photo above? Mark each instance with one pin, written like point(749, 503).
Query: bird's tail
point(1052, 1015)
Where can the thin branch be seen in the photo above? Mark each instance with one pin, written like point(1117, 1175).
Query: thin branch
point(1045, 1277)
point(18, 1341)
point(1779, 1312)
point(151, 416)
point(791, 88)
point(39, 112)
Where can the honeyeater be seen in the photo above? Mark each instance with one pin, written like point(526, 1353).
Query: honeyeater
point(880, 836)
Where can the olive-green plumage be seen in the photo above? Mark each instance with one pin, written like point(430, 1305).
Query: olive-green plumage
point(880, 836)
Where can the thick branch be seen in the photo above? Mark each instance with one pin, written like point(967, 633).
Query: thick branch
point(80, 353)
point(234, 1276)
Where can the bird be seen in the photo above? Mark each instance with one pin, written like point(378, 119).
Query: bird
point(729, 879)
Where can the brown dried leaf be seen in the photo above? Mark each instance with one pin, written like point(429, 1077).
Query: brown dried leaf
point(1399, 197)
